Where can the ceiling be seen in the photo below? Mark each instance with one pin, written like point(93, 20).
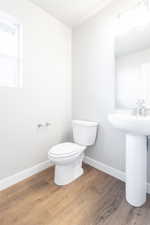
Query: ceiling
point(72, 12)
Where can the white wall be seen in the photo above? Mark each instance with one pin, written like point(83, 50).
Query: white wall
point(93, 82)
point(46, 92)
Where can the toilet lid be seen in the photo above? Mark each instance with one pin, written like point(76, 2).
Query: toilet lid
point(65, 149)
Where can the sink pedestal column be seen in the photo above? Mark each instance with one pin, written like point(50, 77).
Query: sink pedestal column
point(136, 169)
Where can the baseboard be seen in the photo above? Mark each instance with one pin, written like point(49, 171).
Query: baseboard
point(9, 181)
point(109, 170)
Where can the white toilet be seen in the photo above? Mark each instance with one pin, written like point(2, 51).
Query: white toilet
point(68, 157)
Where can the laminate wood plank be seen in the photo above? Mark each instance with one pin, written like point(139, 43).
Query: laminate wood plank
point(94, 199)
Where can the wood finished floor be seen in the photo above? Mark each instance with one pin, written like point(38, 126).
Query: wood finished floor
point(94, 199)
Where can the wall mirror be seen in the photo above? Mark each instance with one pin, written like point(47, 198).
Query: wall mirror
point(132, 56)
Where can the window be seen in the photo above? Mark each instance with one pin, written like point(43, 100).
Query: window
point(10, 52)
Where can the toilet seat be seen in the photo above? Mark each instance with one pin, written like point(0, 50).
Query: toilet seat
point(66, 149)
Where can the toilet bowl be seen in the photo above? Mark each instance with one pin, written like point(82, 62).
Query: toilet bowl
point(67, 157)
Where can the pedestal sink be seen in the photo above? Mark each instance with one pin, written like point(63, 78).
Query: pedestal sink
point(137, 129)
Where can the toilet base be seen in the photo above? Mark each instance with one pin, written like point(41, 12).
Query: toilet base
point(65, 174)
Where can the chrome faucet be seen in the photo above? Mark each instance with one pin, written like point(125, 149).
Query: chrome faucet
point(140, 109)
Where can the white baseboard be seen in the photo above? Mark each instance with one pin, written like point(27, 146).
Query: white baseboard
point(9, 181)
point(109, 170)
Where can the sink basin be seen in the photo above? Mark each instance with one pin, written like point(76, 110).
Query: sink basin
point(136, 128)
point(130, 123)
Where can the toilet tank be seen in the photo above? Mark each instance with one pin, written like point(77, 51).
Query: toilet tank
point(84, 132)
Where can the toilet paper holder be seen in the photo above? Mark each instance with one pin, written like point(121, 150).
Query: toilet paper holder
point(47, 124)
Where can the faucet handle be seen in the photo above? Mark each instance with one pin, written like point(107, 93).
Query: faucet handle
point(140, 102)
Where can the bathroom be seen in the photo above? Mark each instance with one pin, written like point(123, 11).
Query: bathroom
point(67, 72)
